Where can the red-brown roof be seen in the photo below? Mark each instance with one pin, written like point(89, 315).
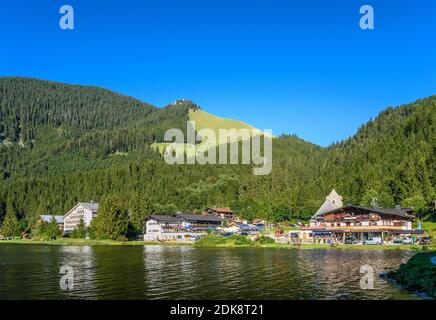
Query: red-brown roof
point(222, 210)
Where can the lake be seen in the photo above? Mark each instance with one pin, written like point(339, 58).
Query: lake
point(185, 272)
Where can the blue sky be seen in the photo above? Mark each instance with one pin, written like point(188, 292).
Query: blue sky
point(301, 67)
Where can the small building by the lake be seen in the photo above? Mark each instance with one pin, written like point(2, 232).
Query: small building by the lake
point(48, 218)
point(83, 210)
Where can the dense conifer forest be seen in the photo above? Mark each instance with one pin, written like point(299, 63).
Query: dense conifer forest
point(61, 144)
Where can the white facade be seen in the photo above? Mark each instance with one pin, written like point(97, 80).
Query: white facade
point(86, 211)
point(155, 231)
point(301, 236)
point(403, 224)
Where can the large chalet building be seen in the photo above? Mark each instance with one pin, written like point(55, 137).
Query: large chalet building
point(334, 220)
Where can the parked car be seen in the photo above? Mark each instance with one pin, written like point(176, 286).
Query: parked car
point(398, 240)
point(373, 241)
point(407, 241)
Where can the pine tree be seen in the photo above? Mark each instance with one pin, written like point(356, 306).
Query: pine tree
point(112, 219)
point(10, 224)
point(52, 230)
point(80, 231)
point(136, 211)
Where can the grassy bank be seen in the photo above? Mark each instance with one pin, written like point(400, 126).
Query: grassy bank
point(82, 242)
point(218, 241)
point(213, 241)
point(352, 246)
point(418, 274)
point(240, 241)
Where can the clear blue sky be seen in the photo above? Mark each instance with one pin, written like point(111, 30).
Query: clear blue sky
point(301, 67)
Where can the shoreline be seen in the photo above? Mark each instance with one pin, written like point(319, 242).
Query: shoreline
point(417, 274)
point(80, 242)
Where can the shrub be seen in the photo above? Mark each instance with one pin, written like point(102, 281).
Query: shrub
point(264, 240)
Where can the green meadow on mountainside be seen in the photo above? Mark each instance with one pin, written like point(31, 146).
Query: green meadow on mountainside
point(61, 144)
point(204, 120)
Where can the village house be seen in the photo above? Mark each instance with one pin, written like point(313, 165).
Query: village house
point(83, 210)
point(179, 227)
point(48, 218)
point(224, 213)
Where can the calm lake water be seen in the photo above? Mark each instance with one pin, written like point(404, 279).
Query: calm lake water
point(164, 272)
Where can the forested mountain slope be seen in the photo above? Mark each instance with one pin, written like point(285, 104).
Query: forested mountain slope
point(60, 144)
point(391, 157)
point(48, 127)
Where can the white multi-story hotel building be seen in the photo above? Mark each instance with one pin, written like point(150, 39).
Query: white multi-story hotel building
point(83, 210)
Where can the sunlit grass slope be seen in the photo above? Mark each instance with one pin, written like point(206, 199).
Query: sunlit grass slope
point(205, 120)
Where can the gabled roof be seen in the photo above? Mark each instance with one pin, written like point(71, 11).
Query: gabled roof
point(332, 201)
point(48, 218)
point(221, 210)
point(93, 206)
point(399, 212)
point(164, 218)
point(198, 217)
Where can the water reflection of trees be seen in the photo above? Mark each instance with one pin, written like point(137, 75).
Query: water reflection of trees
point(119, 272)
point(169, 272)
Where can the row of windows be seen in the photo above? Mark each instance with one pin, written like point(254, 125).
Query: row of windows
point(370, 223)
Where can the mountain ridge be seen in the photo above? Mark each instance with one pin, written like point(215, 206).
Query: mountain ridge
point(66, 144)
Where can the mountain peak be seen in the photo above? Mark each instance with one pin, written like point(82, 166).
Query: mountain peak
point(186, 103)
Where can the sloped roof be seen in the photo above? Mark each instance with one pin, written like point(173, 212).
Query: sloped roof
point(326, 207)
point(165, 218)
point(48, 218)
point(93, 206)
point(222, 210)
point(198, 217)
point(399, 212)
point(332, 201)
